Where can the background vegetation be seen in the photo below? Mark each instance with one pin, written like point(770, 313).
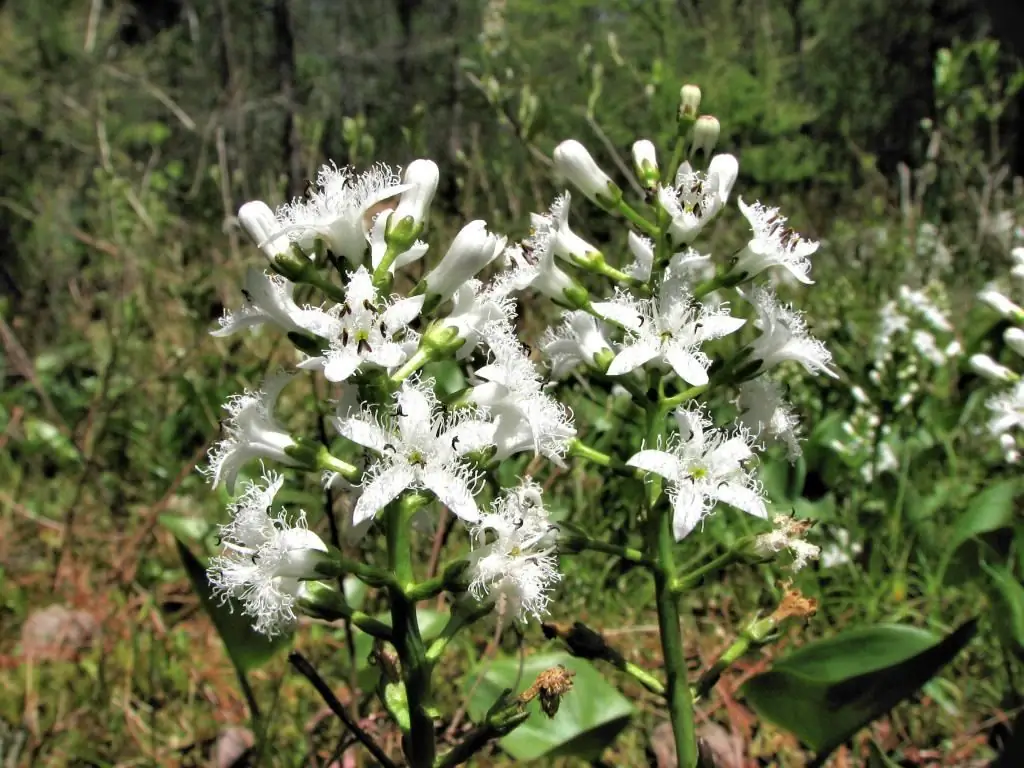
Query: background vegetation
point(130, 132)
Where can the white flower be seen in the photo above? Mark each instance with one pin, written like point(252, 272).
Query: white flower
point(697, 197)
point(579, 339)
point(268, 299)
point(784, 336)
point(703, 466)
point(419, 448)
point(513, 559)
point(476, 305)
point(472, 250)
point(1007, 410)
point(986, 367)
point(764, 413)
point(1017, 270)
point(642, 249)
point(539, 250)
point(788, 534)
point(252, 433)
point(525, 418)
point(574, 162)
point(340, 210)
point(260, 225)
point(706, 131)
point(265, 558)
point(421, 177)
point(839, 551)
point(773, 244)
point(552, 231)
point(670, 330)
point(365, 330)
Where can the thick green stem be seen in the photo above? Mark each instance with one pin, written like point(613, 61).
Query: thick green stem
point(637, 219)
point(418, 743)
point(694, 577)
point(420, 358)
point(677, 689)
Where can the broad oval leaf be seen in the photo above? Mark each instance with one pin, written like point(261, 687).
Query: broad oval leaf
point(247, 648)
point(1009, 614)
point(990, 510)
point(591, 715)
point(828, 690)
point(194, 528)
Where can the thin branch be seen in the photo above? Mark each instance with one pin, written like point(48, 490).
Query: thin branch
point(304, 668)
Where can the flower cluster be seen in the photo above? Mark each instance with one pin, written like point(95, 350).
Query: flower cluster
point(670, 325)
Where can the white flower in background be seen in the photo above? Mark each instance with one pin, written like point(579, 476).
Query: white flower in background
point(670, 330)
point(766, 414)
point(513, 560)
point(706, 131)
point(252, 433)
point(475, 305)
point(703, 466)
point(642, 249)
point(421, 177)
point(379, 245)
point(1008, 444)
point(265, 558)
point(1017, 270)
point(773, 244)
point(1001, 303)
point(920, 303)
point(578, 340)
point(926, 346)
point(340, 210)
point(784, 336)
point(525, 418)
point(1007, 410)
point(419, 448)
point(472, 250)
point(261, 225)
point(697, 197)
point(268, 299)
point(1014, 338)
point(788, 533)
point(840, 550)
point(573, 162)
point(365, 330)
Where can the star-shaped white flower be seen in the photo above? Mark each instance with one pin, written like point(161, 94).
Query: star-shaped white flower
point(366, 330)
point(703, 466)
point(268, 299)
point(784, 336)
point(513, 559)
point(773, 244)
point(265, 559)
point(252, 433)
point(578, 340)
point(525, 418)
point(642, 249)
point(670, 330)
point(340, 210)
point(419, 447)
point(765, 414)
point(697, 197)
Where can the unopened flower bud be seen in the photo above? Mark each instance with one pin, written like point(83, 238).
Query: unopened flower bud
point(472, 250)
point(705, 135)
point(645, 160)
point(985, 366)
point(574, 162)
point(259, 223)
point(422, 176)
point(1001, 304)
point(689, 102)
point(1014, 338)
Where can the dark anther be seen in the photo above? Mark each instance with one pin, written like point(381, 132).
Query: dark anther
point(344, 337)
point(367, 305)
point(345, 309)
point(310, 189)
point(364, 346)
point(697, 209)
point(247, 295)
point(400, 411)
point(455, 441)
point(254, 558)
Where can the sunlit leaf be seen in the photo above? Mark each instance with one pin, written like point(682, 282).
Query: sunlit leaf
point(828, 690)
point(591, 715)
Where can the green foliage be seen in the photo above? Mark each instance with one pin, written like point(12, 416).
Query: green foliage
point(587, 721)
point(828, 690)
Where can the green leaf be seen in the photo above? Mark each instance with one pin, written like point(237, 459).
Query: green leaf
point(247, 648)
point(1008, 615)
point(194, 528)
point(828, 690)
point(989, 511)
point(591, 715)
